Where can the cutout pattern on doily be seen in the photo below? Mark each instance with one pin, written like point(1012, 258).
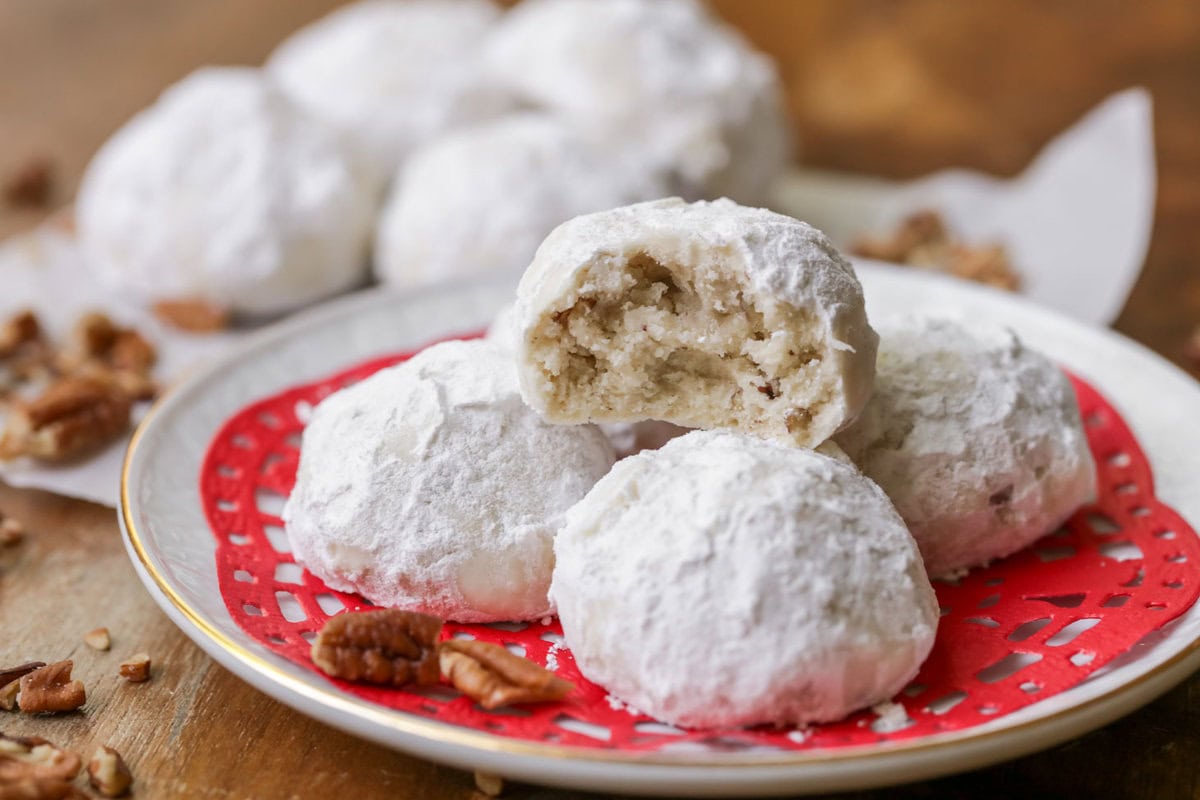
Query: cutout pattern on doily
point(1015, 632)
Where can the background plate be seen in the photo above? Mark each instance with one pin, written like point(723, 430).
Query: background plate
point(172, 548)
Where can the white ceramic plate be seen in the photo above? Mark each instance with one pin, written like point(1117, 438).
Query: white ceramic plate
point(170, 544)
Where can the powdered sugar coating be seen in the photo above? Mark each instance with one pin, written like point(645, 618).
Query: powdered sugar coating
point(392, 73)
point(502, 332)
point(782, 266)
point(724, 580)
point(225, 191)
point(664, 78)
point(431, 486)
point(482, 199)
point(975, 437)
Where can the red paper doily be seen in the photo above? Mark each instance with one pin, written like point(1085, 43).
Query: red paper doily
point(1018, 631)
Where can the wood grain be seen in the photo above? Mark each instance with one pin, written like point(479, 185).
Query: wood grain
point(893, 88)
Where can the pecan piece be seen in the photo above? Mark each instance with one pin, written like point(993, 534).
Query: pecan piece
point(494, 677)
point(136, 669)
point(387, 646)
point(93, 336)
point(131, 352)
point(98, 639)
point(8, 696)
point(19, 671)
point(20, 329)
point(916, 231)
point(922, 240)
point(108, 773)
point(11, 531)
point(488, 784)
point(33, 769)
point(194, 315)
point(51, 689)
point(73, 416)
point(31, 185)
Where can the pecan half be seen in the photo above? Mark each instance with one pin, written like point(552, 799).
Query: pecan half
point(494, 677)
point(387, 646)
point(195, 315)
point(136, 669)
point(51, 689)
point(75, 415)
point(33, 769)
point(107, 772)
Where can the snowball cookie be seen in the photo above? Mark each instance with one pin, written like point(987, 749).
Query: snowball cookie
point(482, 199)
point(430, 486)
point(226, 192)
point(663, 78)
point(708, 315)
point(976, 438)
point(725, 580)
point(392, 73)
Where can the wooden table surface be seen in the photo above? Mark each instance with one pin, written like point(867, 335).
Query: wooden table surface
point(893, 88)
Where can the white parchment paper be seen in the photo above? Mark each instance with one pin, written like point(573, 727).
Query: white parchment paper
point(1077, 223)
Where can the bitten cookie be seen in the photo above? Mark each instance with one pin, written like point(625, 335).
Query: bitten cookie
point(664, 79)
point(224, 191)
point(976, 438)
point(431, 486)
point(627, 437)
point(481, 199)
point(392, 73)
point(708, 315)
point(725, 580)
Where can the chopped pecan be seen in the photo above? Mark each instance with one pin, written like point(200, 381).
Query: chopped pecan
point(31, 185)
point(19, 671)
point(8, 695)
point(922, 240)
point(75, 415)
point(107, 772)
point(20, 329)
point(136, 669)
point(916, 231)
point(94, 335)
point(98, 639)
point(11, 531)
point(488, 784)
point(33, 769)
point(386, 646)
point(195, 315)
point(987, 265)
point(132, 353)
point(494, 677)
point(51, 688)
